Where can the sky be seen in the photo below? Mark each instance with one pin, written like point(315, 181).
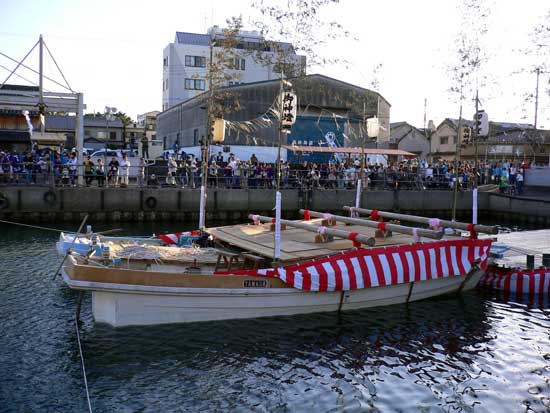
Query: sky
point(112, 51)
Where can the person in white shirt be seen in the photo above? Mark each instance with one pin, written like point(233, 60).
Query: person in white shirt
point(519, 182)
point(172, 169)
point(124, 171)
point(72, 163)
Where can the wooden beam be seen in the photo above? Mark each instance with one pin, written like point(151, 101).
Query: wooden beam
point(426, 233)
point(485, 229)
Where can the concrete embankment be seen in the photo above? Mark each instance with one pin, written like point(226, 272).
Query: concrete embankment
point(33, 204)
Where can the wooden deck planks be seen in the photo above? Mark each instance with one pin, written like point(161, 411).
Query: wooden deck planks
point(296, 244)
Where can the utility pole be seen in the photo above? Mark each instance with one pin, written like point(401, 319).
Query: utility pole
point(425, 110)
point(537, 97)
point(359, 195)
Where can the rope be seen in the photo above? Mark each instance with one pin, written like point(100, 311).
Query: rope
point(83, 366)
point(33, 226)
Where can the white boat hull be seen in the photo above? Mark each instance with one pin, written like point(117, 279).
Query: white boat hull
point(126, 305)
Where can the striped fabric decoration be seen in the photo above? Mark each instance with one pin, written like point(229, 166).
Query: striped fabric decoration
point(518, 281)
point(173, 239)
point(382, 266)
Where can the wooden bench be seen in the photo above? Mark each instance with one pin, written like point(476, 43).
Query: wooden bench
point(229, 258)
point(253, 260)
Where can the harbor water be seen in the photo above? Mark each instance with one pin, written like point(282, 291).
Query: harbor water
point(475, 352)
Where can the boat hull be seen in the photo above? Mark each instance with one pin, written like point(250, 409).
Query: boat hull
point(126, 305)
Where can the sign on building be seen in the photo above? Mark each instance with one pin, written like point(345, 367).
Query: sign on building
point(288, 115)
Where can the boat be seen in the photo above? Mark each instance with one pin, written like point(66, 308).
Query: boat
point(327, 263)
point(519, 264)
point(84, 242)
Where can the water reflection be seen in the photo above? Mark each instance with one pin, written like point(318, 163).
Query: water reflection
point(478, 351)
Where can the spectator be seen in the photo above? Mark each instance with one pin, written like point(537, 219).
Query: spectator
point(73, 166)
point(112, 175)
point(88, 171)
point(145, 147)
point(100, 173)
point(125, 171)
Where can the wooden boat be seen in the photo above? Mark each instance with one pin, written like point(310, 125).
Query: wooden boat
point(83, 242)
point(316, 272)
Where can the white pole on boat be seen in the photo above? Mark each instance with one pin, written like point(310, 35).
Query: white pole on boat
point(202, 208)
point(358, 194)
point(474, 205)
point(277, 254)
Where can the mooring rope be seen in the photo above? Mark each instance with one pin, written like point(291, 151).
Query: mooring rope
point(32, 226)
point(83, 366)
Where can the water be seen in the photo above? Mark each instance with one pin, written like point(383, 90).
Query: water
point(475, 352)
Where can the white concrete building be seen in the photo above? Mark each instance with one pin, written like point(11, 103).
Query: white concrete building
point(185, 63)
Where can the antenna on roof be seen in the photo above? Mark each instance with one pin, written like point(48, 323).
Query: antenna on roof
point(425, 109)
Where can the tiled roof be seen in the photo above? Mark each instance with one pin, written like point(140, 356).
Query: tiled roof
point(501, 125)
point(58, 122)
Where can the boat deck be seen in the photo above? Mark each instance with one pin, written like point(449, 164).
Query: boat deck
point(522, 244)
point(296, 244)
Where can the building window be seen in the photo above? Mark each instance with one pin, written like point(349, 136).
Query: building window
point(195, 137)
point(112, 136)
point(454, 140)
point(239, 63)
point(195, 61)
point(443, 140)
point(165, 62)
point(195, 84)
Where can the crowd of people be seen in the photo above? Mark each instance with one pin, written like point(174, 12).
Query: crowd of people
point(61, 168)
point(183, 170)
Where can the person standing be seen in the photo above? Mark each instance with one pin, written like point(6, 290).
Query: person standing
point(172, 169)
point(88, 171)
point(112, 175)
point(100, 173)
point(125, 171)
point(141, 172)
point(72, 163)
point(519, 182)
point(145, 147)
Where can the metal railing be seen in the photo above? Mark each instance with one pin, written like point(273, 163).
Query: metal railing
point(151, 175)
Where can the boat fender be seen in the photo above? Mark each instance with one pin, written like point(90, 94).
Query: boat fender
point(151, 202)
point(4, 201)
point(50, 197)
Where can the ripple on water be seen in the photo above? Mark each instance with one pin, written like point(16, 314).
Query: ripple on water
point(471, 353)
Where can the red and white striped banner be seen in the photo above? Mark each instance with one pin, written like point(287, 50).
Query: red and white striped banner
point(173, 239)
point(382, 266)
point(518, 281)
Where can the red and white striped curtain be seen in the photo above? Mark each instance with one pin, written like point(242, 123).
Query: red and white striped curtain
point(382, 266)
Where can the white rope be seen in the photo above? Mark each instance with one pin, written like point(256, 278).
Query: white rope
point(83, 366)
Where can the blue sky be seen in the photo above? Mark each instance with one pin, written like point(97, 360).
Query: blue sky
point(112, 50)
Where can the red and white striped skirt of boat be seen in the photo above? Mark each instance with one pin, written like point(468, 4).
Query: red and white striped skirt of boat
point(382, 266)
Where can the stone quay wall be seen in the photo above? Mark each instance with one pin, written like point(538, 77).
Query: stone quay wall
point(36, 204)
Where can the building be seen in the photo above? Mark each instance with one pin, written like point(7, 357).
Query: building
point(98, 132)
point(185, 62)
point(147, 122)
point(506, 140)
point(406, 137)
point(326, 107)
